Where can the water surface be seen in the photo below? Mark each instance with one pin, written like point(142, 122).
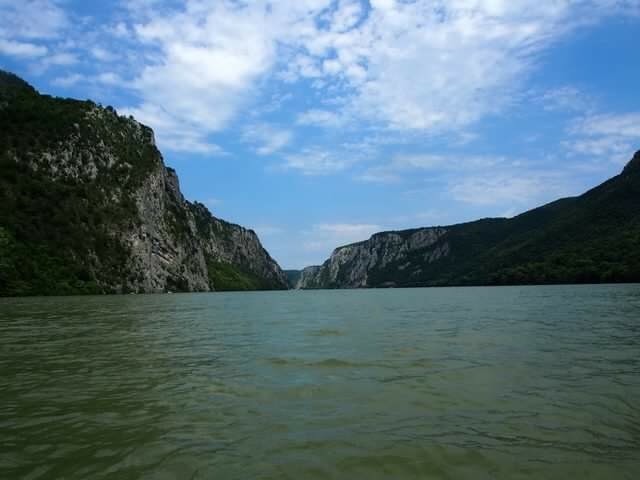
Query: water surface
point(518, 382)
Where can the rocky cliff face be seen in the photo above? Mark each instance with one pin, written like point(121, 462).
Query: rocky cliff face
point(88, 206)
point(179, 245)
point(352, 266)
point(587, 239)
point(309, 278)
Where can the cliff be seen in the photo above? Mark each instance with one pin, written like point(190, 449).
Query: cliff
point(87, 205)
point(587, 239)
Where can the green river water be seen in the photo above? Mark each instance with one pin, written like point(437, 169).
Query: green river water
point(450, 383)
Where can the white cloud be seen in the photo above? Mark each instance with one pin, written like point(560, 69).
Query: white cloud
point(477, 180)
point(625, 125)
point(441, 66)
point(566, 98)
point(314, 161)
point(323, 118)
point(68, 80)
point(22, 49)
point(31, 19)
point(507, 188)
point(379, 175)
point(102, 54)
point(276, 101)
point(612, 147)
point(60, 59)
point(346, 15)
point(26, 25)
point(424, 65)
point(612, 136)
point(432, 65)
point(324, 237)
point(171, 133)
point(105, 78)
point(109, 78)
point(207, 60)
point(408, 164)
point(119, 30)
point(268, 139)
point(193, 144)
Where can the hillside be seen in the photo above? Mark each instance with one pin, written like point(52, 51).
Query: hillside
point(87, 205)
point(592, 238)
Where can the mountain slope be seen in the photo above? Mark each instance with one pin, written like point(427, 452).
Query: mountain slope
point(591, 238)
point(293, 277)
point(88, 206)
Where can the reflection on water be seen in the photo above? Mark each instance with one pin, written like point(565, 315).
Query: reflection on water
point(519, 382)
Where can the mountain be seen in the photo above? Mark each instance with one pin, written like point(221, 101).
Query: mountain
point(87, 205)
point(293, 277)
point(592, 238)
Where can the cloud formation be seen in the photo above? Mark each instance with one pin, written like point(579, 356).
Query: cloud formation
point(267, 139)
point(21, 49)
point(25, 24)
point(324, 237)
point(610, 136)
point(425, 65)
point(453, 99)
point(315, 161)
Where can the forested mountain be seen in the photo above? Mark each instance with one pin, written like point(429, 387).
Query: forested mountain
point(587, 239)
point(87, 205)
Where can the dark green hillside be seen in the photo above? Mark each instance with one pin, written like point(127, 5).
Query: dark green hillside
point(588, 239)
point(57, 234)
point(88, 206)
point(292, 277)
point(592, 238)
point(230, 278)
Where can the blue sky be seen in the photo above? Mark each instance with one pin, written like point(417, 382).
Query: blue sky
point(320, 122)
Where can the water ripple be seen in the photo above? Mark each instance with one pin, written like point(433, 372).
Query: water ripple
point(526, 382)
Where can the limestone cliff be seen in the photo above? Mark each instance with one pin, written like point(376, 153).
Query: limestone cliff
point(309, 278)
point(87, 205)
point(352, 266)
point(587, 239)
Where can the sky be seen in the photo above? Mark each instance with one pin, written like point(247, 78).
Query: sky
point(320, 122)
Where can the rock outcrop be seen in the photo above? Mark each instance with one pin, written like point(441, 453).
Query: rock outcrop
point(587, 239)
point(309, 278)
point(87, 205)
point(178, 245)
point(351, 266)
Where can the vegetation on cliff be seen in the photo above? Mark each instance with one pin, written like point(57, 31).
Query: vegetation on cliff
point(71, 173)
point(58, 229)
point(592, 238)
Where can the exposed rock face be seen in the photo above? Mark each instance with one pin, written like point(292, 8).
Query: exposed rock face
point(173, 258)
point(351, 266)
point(309, 278)
point(587, 239)
point(109, 215)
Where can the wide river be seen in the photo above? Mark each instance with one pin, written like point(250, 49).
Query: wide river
point(450, 383)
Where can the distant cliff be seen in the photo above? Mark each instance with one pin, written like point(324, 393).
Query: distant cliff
point(308, 278)
point(88, 206)
point(591, 238)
